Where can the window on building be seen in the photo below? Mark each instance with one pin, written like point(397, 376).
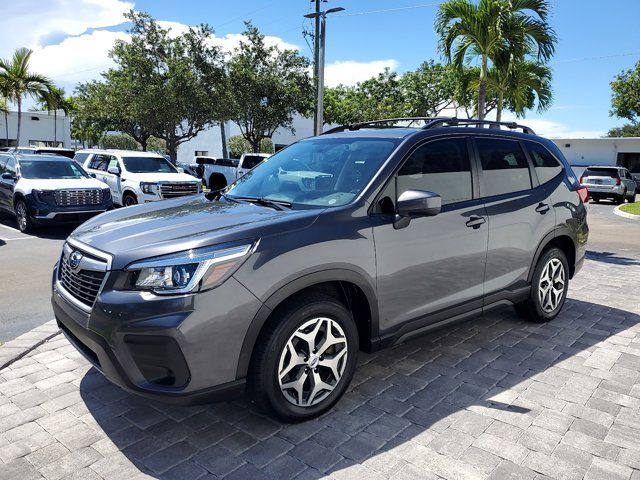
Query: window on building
point(545, 164)
point(442, 167)
point(201, 153)
point(505, 168)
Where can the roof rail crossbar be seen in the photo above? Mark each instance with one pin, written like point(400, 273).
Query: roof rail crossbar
point(374, 123)
point(454, 122)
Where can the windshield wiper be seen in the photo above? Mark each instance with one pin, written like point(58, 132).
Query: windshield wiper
point(266, 202)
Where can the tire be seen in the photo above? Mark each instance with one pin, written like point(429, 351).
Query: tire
point(632, 198)
point(533, 309)
point(25, 224)
point(619, 199)
point(596, 199)
point(272, 356)
point(129, 199)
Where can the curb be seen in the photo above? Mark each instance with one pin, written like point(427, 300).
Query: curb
point(17, 348)
point(620, 213)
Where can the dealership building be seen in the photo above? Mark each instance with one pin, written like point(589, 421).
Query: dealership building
point(36, 129)
point(582, 152)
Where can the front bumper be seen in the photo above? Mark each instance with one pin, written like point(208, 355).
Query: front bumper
point(182, 350)
point(45, 213)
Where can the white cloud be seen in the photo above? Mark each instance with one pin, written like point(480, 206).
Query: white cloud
point(351, 72)
point(27, 23)
point(554, 129)
point(232, 40)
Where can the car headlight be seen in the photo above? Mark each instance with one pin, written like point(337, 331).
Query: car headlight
point(149, 188)
point(192, 270)
point(43, 195)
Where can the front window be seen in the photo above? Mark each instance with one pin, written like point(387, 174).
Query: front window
point(322, 172)
point(148, 165)
point(43, 169)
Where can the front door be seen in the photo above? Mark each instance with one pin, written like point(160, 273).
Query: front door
point(7, 185)
point(114, 181)
point(438, 262)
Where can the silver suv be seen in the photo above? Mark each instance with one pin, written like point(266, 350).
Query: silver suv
point(609, 182)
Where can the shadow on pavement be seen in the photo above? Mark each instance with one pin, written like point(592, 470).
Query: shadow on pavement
point(53, 232)
point(472, 373)
point(611, 258)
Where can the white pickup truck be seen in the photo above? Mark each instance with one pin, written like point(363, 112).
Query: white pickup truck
point(220, 172)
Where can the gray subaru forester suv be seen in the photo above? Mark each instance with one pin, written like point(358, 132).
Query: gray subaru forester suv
point(357, 239)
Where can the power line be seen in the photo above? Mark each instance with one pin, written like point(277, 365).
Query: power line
point(602, 57)
point(388, 10)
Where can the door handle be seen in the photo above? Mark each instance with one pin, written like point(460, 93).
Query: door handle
point(542, 208)
point(475, 221)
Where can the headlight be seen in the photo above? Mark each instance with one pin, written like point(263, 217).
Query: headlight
point(149, 188)
point(192, 270)
point(106, 194)
point(42, 195)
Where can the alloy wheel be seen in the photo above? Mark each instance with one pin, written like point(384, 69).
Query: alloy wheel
point(552, 285)
point(312, 362)
point(21, 214)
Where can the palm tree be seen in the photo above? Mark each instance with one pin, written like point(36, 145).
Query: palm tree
point(54, 99)
point(492, 28)
point(519, 85)
point(5, 110)
point(20, 81)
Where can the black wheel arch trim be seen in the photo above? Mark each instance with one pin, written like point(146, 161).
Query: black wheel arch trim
point(291, 288)
point(559, 231)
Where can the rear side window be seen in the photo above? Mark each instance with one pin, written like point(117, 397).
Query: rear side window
point(442, 167)
point(545, 164)
point(99, 162)
point(505, 168)
point(81, 157)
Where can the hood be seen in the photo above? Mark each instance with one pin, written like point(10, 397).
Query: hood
point(60, 183)
point(170, 226)
point(160, 177)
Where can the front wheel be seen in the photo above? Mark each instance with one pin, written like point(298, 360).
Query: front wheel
point(25, 224)
point(129, 199)
point(304, 364)
point(549, 287)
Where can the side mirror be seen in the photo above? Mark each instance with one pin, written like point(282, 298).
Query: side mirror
point(416, 203)
point(114, 171)
point(8, 176)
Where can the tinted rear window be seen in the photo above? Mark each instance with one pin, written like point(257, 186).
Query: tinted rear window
point(601, 172)
point(505, 168)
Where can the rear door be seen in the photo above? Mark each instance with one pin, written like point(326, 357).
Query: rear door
point(114, 181)
point(3, 195)
point(520, 214)
point(7, 185)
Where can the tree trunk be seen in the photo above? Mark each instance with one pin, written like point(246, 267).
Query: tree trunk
point(255, 145)
point(223, 138)
point(143, 143)
point(55, 128)
point(499, 107)
point(6, 126)
point(172, 150)
point(19, 121)
point(482, 92)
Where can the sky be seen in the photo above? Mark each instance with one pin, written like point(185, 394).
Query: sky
point(597, 39)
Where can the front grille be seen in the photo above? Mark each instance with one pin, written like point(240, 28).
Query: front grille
point(172, 190)
point(83, 284)
point(72, 198)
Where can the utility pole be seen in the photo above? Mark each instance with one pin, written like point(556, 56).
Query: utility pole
point(319, 50)
point(316, 56)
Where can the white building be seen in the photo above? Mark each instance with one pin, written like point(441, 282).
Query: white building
point(580, 152)
point(37, 129)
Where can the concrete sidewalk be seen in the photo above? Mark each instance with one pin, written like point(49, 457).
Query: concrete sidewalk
point(491, 398)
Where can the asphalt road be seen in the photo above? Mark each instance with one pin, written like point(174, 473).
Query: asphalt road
point(26, 262)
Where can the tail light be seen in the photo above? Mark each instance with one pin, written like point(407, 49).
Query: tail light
point(618, 181)
point(583, 192)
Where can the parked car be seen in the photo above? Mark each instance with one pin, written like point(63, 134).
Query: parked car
point(192, 168)
point(220, 172)
point(615, 183)
point(138, 177)
point(46, 189)
point(64, 152)
point(274, 285)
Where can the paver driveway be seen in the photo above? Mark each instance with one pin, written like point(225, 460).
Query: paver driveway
point(494, 397)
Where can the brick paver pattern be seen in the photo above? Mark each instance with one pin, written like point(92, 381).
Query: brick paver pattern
point(494, 397)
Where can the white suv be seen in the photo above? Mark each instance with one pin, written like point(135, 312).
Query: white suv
point(138, 177)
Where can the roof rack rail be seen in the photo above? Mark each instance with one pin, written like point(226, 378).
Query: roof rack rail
point(373, 123)
point(455, 122)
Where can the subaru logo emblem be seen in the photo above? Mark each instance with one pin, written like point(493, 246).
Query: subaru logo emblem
point(74, 259)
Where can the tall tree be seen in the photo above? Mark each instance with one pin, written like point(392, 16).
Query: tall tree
point(625, 99)
point(269, 87)
point(430, 89)
point(21, 81)
point(5, 92)
point(54, 99)
point(492, 28)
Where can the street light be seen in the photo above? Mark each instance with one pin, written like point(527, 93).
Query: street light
point(320, 67)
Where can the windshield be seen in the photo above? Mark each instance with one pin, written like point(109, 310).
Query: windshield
point(43, 169)
point(148, 165)
point(323, 172)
